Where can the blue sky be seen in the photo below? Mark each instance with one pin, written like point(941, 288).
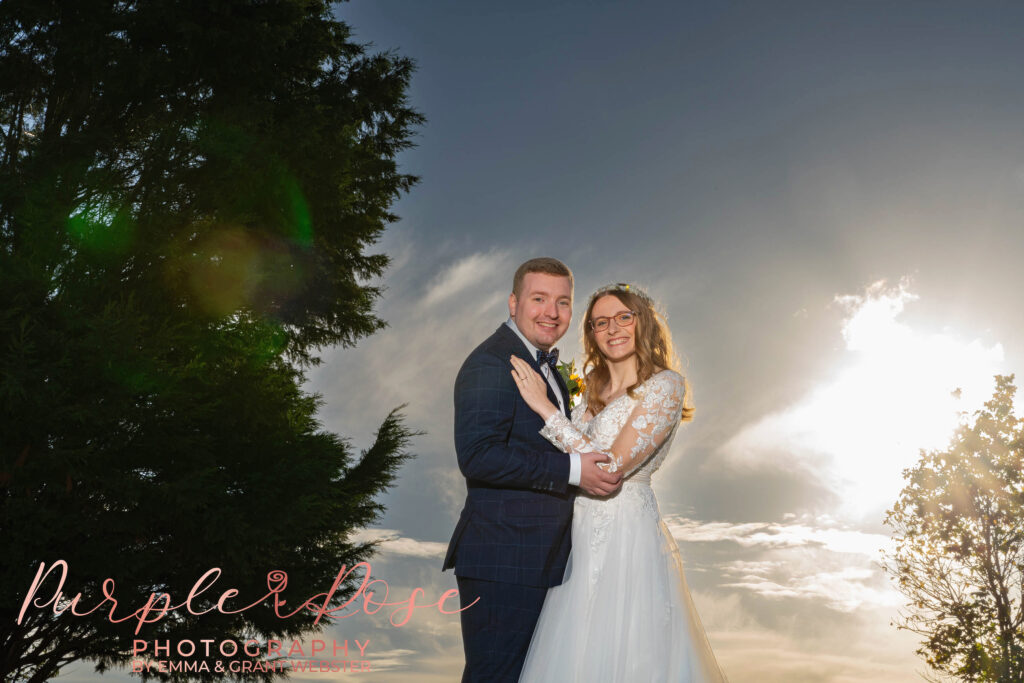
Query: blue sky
point(825, 197)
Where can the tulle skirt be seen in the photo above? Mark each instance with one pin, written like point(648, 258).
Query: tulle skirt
point(623, 612)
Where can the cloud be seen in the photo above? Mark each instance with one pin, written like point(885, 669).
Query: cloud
point(391, 659)
point(844, 590)
point(463, 274)
point(832, 567)
point(767, 535)
point(785, 639)
point(750, 569)
point(847, 655)
point(894, 394)
point(392, 542)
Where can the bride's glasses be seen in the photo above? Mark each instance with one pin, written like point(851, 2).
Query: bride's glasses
point(622, 320)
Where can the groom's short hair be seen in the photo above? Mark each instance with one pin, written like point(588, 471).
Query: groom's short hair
point(543, 264)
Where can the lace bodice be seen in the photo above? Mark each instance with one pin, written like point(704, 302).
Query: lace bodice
point(634, 432)
point(623, 611)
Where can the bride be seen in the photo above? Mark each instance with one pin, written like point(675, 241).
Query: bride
point(624, 611)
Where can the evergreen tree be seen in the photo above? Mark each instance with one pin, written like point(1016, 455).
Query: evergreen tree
point(188, 191)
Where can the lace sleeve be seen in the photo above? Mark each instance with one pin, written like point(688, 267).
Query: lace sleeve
point(650, 423)
point(647, 427)
point(564, 434)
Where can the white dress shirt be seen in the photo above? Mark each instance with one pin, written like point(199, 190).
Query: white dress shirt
point(575, 468)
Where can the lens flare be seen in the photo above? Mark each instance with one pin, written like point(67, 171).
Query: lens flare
point(102, 230)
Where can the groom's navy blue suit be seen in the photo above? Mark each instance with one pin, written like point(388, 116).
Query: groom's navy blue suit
point(513, 536)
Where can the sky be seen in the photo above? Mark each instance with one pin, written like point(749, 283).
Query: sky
point(824, 197)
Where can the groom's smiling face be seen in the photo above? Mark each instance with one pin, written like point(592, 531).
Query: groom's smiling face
point(543, 308)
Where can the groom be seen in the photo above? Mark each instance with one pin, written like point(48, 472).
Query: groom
point(512, 539)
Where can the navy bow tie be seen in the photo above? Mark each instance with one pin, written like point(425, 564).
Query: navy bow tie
point(549, 357)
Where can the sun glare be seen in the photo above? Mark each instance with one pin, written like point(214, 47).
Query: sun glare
point(897, 394)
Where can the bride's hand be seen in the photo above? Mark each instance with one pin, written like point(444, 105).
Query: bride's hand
point(533, 388)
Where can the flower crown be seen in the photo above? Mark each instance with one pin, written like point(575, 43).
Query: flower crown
point(623, 287)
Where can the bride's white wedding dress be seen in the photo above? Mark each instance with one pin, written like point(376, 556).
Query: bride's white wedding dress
point(624, 611)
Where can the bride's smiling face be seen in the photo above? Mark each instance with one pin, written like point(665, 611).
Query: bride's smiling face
point(615, 342)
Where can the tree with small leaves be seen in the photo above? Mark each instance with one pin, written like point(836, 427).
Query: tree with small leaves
point(958, 552)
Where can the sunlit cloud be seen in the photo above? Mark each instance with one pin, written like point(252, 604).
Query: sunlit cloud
point(464, 274)
point(770, 656)
point(391, 659)
point(380, 662)
point(844, 590)
point(768, 535)
point(392, 542)
point(897, 393)
point(827, 565)
point(750, 568)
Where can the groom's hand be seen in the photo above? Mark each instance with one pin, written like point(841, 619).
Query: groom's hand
point(593, 479)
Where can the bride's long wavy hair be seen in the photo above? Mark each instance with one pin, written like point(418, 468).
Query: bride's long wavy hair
point(653, 341)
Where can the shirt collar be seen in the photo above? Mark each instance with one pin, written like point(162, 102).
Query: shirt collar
point(530, 347)
point(547, 373)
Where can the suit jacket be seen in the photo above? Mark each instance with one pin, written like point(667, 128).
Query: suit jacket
point(516, 524)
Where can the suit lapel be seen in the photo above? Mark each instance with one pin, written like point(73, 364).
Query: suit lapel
point(565, 391)
point(558, 380)
point(524, 352)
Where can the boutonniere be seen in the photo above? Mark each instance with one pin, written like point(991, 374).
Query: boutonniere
point(573, 382)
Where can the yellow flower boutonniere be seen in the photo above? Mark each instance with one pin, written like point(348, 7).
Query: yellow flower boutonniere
point(573, 382)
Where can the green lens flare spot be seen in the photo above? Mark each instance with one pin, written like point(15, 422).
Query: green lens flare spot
point(102, 231)
point(298, 213)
